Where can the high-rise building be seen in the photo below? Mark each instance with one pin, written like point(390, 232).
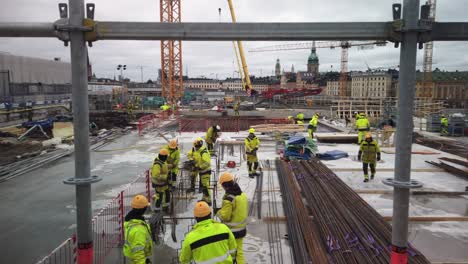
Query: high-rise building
point(278, 69)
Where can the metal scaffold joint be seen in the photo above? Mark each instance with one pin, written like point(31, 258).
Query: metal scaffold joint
point(402, 184)
point(62, 27)
point(82, 181)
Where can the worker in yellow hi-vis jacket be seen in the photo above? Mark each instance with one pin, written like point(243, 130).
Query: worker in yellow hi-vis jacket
point(160, 181)
point(251, 146)
point(234, 211)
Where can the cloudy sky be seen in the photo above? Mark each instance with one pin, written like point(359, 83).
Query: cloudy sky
point(213, 59)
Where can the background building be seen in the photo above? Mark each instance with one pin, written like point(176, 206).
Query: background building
point(371, 85)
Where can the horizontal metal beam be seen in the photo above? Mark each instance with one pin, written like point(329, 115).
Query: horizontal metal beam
point(30, 30)
point(450, 31)
point(244, 31)
point(108, 30)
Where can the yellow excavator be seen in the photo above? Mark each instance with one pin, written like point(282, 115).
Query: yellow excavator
point(245, 78)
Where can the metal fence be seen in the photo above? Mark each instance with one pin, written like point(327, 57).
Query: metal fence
point(107, 225)
point(227, 124)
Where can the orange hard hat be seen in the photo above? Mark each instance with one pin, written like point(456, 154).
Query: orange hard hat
point(201, 209)
point(140, 202)
point(225, 177)
point(173, 144)
point(163, 152)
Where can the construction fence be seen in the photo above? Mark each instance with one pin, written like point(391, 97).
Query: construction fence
point(108, 231)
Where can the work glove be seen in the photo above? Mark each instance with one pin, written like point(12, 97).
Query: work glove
point(215, 210)
point(148, 261)
point(359, 155)
point(378, 156)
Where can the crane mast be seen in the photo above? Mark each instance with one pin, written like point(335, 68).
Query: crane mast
point(248, 84)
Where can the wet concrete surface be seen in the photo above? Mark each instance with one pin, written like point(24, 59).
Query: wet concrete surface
point(38, 210)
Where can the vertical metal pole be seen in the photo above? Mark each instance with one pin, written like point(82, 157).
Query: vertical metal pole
point(81, 130)
point(404, 131)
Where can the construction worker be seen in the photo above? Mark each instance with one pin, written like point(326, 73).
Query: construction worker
point(369, 154)
point(202, 159)
point(300, 118)
point(193, 170)
point(209, 241)
point(234, 212)
point(173, 161)
point(251, 146)
point(236, 108)
point(313, 123)
point(291, 120)
point(443, 126)
point(362, 125)
point(165, 107)
point(138, 246)
point(211, 136)
point(160, 181)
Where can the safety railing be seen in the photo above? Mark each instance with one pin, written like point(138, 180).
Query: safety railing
point(226, 124)
point(63, 254)
point(108, 231)
point(151, 120)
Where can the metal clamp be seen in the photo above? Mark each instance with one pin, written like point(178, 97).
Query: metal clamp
point(82, 181)
point(63, 27)
point(412, 184)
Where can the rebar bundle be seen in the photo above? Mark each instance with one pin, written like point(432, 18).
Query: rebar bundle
point(338, 223)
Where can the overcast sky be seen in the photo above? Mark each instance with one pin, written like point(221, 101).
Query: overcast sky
point(217, 58)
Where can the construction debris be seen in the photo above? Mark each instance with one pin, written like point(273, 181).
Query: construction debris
point(455, 171)
point(456, 161)
point(456, 147)
point(344, 227)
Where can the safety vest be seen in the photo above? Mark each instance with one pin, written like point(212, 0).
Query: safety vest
point(362, 124)
point(209, 242)
point(313, 122)
point(211, 135)
point(300, 116)
point(202, 160)
point(138, 244)
point(173, 158)
point(251, 144)
point(444, 121)
point(369, 151)
point(233, 213)
point(159, 173)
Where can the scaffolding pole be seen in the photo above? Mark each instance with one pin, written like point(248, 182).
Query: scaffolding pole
point(402, 176)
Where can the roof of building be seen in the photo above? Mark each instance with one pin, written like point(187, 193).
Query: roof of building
point(441, 76)
point(35, 70)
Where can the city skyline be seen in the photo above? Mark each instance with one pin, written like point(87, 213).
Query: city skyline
point(217, 58)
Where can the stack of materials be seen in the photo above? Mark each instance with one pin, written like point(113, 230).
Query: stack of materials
point(456, 126)
point(433, 123)
point(299, 147)
point(334, 220)
point(281, 128)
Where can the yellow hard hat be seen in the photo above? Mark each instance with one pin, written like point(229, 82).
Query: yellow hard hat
point(368, 135)
point(140, 202)
point(196, 141)
point(225, 177)
point(252, 130)
point(173, 144)
point(201, 209)
point(163, 152)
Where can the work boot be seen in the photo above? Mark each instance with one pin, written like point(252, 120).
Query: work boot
point(372, 177)
point(252, 175)
point(366, 180)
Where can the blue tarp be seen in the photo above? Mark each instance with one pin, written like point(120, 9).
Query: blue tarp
point(297, 155)
point(297, 140)
point(332, 155)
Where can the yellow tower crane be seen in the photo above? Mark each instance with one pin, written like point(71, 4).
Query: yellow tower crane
point(247, 83)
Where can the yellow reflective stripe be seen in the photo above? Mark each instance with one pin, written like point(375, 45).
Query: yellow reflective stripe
point(214, 260)
point(138, 248)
